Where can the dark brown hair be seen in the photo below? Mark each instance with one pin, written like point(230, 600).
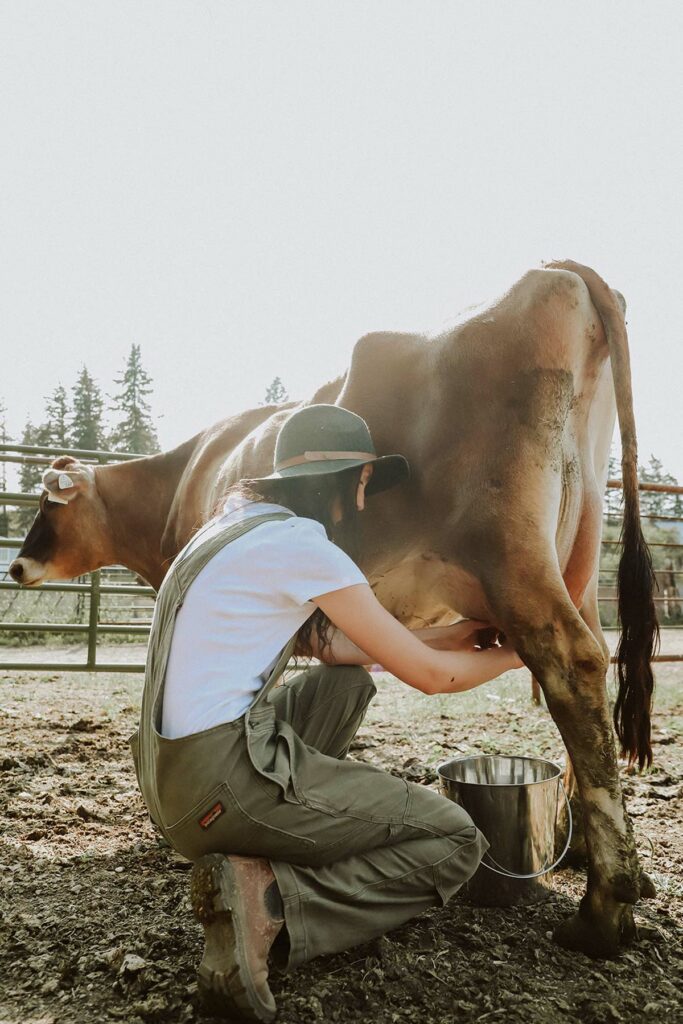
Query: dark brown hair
point(312, 497)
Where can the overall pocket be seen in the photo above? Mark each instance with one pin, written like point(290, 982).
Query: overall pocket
point(220, 824)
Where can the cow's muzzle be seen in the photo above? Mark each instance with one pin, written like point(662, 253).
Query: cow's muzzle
point(26, 571)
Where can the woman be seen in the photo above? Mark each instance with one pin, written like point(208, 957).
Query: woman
point(297, 851)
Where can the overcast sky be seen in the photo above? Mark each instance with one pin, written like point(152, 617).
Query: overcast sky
point(245, 188)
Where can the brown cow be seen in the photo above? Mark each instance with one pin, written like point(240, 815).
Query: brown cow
point(507, 421)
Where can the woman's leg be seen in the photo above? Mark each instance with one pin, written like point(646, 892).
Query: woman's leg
point(387, 852)
point(375, 850)
point(412, 850)
point(325, 705)
point(355, 851)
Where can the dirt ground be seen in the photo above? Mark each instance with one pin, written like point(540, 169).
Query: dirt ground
point(95, 921)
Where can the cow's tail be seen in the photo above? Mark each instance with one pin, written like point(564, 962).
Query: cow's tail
point(636, 580)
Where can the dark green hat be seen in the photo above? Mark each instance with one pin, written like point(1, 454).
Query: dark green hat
point(322, 439)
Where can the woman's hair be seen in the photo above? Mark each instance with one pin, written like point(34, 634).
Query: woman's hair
point(312, 497)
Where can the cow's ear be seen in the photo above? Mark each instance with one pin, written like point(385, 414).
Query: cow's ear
point(62, 461)
point(66, 479)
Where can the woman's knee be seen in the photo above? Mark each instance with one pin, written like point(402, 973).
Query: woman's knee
point(349, 677)
point(464, 857)
point(438, 814)
point(362, 678)
point(353, 673)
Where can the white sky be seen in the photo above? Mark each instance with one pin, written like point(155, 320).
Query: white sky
point(245, 188)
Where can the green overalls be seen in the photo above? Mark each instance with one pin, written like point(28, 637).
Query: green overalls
point(355, 850)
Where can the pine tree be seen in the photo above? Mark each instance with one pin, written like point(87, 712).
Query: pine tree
point(30, 476)
point(135, 431)
point(614, 496)
point(57, 429)
point(654, 503)
point(86, 429)
point(276, 393)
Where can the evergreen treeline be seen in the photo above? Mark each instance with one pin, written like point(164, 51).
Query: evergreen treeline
point(652, 503)
point(80, 420)
point(88, 419)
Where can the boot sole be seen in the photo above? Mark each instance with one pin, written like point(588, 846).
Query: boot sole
point(225, 984)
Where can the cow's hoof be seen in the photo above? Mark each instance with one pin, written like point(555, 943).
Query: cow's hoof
point(600, 939)
point(648, 889)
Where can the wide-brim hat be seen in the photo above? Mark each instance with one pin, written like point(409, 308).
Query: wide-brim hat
point(319, 440)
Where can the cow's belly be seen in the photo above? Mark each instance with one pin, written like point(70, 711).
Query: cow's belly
point(428, 590)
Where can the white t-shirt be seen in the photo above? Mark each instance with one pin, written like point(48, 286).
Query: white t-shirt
point(241, 610)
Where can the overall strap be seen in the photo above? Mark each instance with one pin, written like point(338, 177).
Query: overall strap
point(275, 673)
point(172, 592)
point(182, 573)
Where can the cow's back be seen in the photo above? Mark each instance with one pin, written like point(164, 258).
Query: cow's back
point(506, 421)
point(196, 496)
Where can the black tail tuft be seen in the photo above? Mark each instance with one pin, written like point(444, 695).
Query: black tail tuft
point(639, 640)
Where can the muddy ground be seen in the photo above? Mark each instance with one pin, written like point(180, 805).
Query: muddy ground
point(95, 921)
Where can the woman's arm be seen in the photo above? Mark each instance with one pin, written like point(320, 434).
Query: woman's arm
point(378, 637)
point(342, 651)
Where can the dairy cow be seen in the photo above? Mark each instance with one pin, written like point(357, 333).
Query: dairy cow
point(506, 420)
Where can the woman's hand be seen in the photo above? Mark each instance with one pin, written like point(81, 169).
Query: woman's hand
point(462, 635)
point(474, 637)
point(470, 635)
point(454, 661)
point(501, 655)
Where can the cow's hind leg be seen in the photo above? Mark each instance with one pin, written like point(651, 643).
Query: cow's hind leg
point(577, 855)
point(571, 667)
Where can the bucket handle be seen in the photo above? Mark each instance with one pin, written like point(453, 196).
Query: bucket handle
point(500, 870)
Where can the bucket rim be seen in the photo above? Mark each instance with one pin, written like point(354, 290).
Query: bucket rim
point(499, 785)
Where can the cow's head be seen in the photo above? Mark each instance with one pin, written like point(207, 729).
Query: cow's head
point(69, 535)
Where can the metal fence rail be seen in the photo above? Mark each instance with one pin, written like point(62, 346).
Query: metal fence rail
point(671, 599)
point(611, 517)
point(93, 629)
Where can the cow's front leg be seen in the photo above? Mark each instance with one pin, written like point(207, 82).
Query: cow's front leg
point(571, 667)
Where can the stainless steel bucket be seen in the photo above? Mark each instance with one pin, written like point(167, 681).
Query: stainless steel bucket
point(514, 802)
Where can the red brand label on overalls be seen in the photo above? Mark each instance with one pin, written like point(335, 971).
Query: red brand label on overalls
point(211, 815)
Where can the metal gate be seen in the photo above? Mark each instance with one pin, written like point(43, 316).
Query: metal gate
point(93, 587)
point(672, 546)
